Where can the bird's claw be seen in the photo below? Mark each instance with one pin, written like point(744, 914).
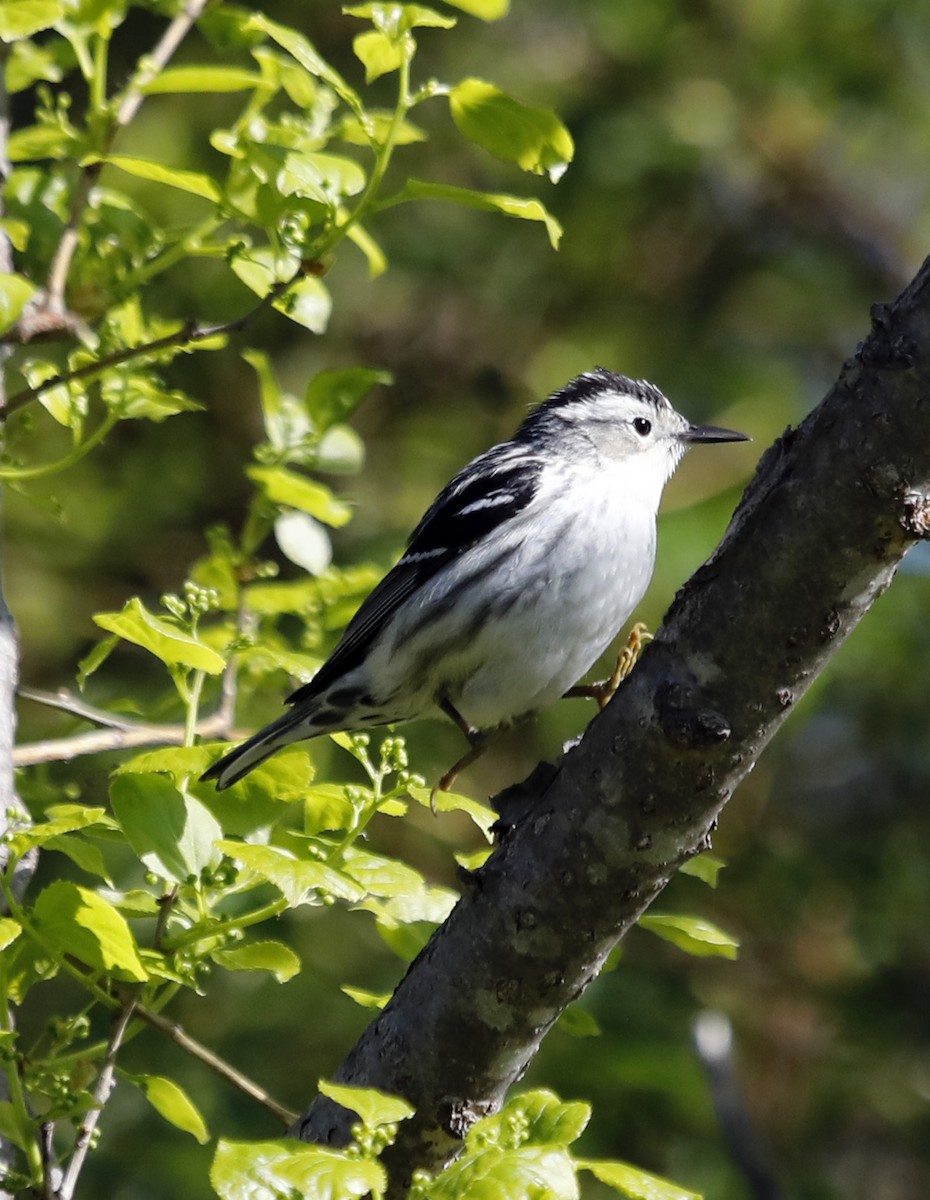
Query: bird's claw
point(603, 692)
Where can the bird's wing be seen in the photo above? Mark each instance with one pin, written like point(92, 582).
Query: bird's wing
point(486, 494)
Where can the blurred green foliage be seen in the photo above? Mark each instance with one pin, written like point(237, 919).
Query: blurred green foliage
point(749, 177)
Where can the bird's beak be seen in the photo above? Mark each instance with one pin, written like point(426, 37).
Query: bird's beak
point(712, 433)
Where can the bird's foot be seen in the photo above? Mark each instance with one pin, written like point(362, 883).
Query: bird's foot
point(604, 691)
point(479, 743)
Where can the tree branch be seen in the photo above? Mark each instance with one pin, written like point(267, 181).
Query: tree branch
point(150, 66)
point(186, 335)
point(220, 1066)
point(118, 734)
point(834, 506)
point(104, 1086)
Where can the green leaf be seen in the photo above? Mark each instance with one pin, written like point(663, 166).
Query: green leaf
point(526, 1173)
point(367, 999)
point(283, 486)
point(174, 1104)
point(95, 659)
point(307, 302)
point(9, 931)
point(534, 138)
point(306, 54)
point(301, 881)
point(705, 867)
point(633, 1183)
point(287, 1168)
point(482, 816)
point(23, 18)
point(203, 79)
point(691, 934)
point(544, 1120)
point(510, 206)
point(177, 761)
point(394, 19)
point(193, 182)
point(303, 540)
point(332, 396)
point(327, 806)
point(378, 53)
point(579, 1022)
point(323, 177)
point(15, 292)
point(486, 10)
point(172, 833)
point(377, 260)
point(271, 956)
point(373, 1107)
point(136, 397)
point(63, 818)
point(72, 920)
point(82, 853)
point(137, 625)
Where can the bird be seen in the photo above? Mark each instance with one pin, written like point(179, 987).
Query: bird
point(518, 577)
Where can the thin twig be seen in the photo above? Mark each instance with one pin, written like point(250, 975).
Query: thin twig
point(188, 333)
point(101, 1093)
point(99, 741)
point(68, 702)
point(150, 66)
point(182, 1038)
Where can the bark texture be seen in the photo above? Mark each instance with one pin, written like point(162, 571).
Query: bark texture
point(818, 535)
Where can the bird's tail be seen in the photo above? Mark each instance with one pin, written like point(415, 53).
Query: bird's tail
point(291, 727)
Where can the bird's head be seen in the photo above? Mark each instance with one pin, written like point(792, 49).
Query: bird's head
point(618, 420)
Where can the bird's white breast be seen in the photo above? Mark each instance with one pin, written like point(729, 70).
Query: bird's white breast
point(559, 580)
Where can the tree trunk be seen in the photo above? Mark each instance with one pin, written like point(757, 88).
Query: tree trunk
point(834, 506)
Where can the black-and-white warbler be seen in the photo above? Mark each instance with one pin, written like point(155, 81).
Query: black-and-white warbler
point(519, 576)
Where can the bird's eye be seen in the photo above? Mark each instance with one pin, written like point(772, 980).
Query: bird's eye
point(642, 426)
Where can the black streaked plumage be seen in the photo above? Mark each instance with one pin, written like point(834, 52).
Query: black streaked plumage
point(488, 492)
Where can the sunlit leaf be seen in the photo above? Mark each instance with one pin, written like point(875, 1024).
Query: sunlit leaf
point(202, 79)
point(510, 206)
point(173, 1103)
point(23, 18)
point(82, 853)
point(534, 138)
point(9, 931)
point(632, 1182)
point(283, 486)
point(705, 867)
point(137, 625)
point(275, 1170)
point(482, 816)
point(395, 19)
point(194, 182)
point(378, 53)
point(15, 292)
point(75, 921)
point(61, 819)
point(487, 10)
point(300, 881)
point(373, 1107)
point(367, 999)
point(544, 1119)
point(332, 396)
point(691, 934)
point(172, 833)
point(327, 807)
point(304, 541)
point(271, 956)
point(323, 177)
point(509, 1174)
point(306, 54)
